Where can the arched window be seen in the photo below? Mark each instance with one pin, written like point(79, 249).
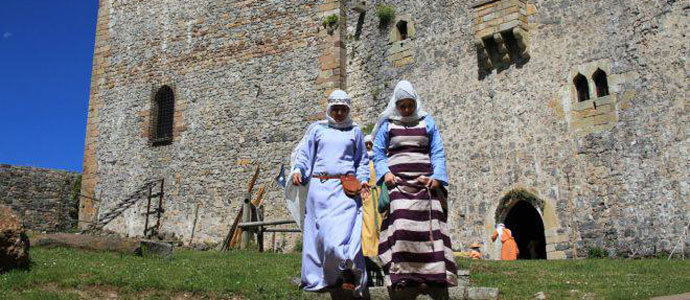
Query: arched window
point(402, 30)
point(601, 83)
point(582, 87)
point(163, 113)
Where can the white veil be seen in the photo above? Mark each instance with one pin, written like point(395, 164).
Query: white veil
point(403, 90)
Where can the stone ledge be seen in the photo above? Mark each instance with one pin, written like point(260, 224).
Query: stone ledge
point(453, 293)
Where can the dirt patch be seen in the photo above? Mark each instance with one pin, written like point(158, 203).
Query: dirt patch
point(86, 242)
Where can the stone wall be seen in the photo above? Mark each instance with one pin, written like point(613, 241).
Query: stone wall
point(46, 200)
point(250, 75)
point(617, 180)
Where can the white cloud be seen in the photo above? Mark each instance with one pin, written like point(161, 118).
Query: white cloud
point(6, 35)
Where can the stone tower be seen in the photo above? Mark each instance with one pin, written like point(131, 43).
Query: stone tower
point(566, 120)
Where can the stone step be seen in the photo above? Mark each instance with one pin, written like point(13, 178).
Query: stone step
point(454, 293)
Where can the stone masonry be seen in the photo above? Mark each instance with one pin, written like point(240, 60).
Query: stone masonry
point(249, 76)
point(44, 199)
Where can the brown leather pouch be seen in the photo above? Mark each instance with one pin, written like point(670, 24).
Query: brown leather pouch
point(351, 185)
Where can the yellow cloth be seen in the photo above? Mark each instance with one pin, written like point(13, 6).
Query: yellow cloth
point(372, 219)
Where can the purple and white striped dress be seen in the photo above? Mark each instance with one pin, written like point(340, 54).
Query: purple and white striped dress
point(414, 243)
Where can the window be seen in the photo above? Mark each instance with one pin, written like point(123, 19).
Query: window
point(402, 30)
point(582, 87)
point(163, 113)
point(601, 83)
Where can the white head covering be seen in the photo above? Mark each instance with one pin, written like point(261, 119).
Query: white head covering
point(499, 229)
point(338, 97)
point(403, 90)
point(367, 139)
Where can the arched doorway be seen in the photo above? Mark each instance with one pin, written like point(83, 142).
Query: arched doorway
point(518, 211)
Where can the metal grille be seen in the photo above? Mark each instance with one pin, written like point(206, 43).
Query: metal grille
point(165, 111)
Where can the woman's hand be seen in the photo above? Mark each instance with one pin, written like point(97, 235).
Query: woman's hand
point(389, 179)
point(296, 178)
point(431, 184)
point(365, 186)
point(366, 191)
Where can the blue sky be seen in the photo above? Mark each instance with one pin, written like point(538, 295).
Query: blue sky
point(46, 48)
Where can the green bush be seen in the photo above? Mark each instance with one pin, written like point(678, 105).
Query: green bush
point(596, 252)
point(386, 14)
point(367, 129)
point(331, 21)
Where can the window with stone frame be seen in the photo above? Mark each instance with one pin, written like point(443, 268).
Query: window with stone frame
point(582, 87)
point(162, 114)
point(401, 27)
point(601, 83)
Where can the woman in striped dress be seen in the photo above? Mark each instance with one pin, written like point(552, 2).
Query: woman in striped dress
point(414, 244)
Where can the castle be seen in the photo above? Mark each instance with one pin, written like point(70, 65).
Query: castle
point(566, 120)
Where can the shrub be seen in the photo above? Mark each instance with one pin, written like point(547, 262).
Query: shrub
point(331, 21)
point(596, 252)
point(386, 14)
point(366, 129)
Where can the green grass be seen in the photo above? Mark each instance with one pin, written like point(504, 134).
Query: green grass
point(249, 274)
point(59, 273)
point(591, 278)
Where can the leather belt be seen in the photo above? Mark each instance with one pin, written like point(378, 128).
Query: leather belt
point(326, 177)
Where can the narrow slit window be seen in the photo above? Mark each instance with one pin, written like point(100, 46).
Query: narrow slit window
point(402, 30)
point(601, 83)
point(164, 111)
point(582, 87)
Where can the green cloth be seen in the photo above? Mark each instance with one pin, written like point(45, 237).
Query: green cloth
point(384, 202)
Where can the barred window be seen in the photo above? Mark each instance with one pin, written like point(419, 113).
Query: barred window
point(163, 114)
point(582, 87)
point(601, 83)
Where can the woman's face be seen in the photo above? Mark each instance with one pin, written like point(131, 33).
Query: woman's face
point(339, 112)
point(406, 107)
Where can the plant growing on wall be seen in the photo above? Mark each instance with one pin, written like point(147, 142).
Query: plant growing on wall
point(386, 14)
point(330, 23)
point(367, 129)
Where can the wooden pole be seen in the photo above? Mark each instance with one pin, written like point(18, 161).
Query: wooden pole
point(259, 197)
point(250, 187)
point(265, 223)
point(231, 237)
point(260, 233)
point(148, 211)
point(246, 217)
point(247, 208)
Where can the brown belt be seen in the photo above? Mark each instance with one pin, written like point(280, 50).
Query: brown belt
point(326, 177)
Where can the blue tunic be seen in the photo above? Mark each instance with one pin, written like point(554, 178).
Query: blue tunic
point(333, 221)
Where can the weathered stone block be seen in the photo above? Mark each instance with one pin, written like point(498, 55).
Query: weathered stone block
point(155, 248)
point(14, 244)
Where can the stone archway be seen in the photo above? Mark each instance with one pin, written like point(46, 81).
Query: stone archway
point(521, 211)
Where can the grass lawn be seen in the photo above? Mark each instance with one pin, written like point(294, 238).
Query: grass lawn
point(578, 279)
point(59, 273)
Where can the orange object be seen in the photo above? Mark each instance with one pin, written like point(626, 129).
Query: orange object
point(475, 254)
point(509, 251)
